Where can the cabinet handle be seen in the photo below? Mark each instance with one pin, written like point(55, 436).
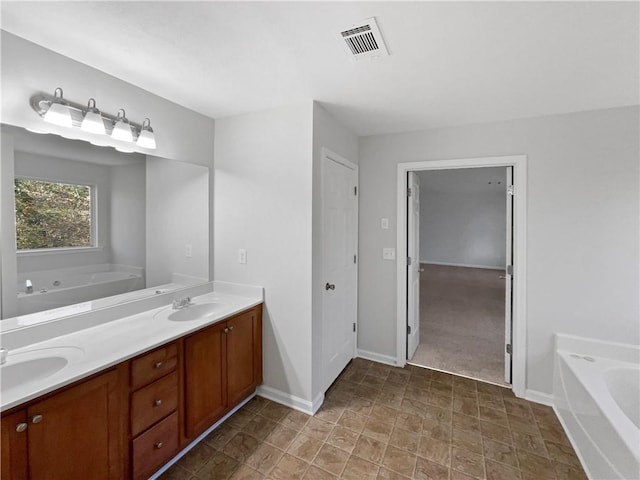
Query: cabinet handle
point(226, 330)
point(157, 402)
point(158, 365)
point(21, 427)
point(159, 445)
point(36, 419)
point(231, 328)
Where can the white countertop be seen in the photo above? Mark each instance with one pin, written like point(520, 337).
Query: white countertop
point(99, 347)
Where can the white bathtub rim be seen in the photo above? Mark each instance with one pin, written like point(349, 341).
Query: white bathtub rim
point(597, 387)
point(624, 352)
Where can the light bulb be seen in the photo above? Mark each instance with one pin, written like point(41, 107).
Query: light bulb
point(58, 112)
point(122, 129)
point(146, 139)
point(92, 121)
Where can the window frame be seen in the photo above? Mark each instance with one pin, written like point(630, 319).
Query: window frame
point(93, 198)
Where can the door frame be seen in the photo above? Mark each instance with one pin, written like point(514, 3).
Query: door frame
point(519, 312)
point(327, 154)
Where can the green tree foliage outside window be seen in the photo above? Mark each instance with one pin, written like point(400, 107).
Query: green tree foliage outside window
point(52, 215)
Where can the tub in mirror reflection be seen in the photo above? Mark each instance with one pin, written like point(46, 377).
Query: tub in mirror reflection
point(86, 227)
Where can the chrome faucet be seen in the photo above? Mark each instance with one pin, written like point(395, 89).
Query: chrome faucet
point(182, 303)
point(3, 355)
point(28, 286)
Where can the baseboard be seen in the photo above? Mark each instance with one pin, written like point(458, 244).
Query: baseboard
point(445, 264)
point(377, 357)
point(291, 401)
point(539, 397)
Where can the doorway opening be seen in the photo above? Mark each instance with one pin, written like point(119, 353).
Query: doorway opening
point(451, 286)
point(459, 240)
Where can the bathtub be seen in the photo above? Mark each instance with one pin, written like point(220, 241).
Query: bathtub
point(68, 286)
point(597, 398)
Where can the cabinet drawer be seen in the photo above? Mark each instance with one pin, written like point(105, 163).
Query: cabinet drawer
point(154, 447)
point(153, 365)
point(153, 402)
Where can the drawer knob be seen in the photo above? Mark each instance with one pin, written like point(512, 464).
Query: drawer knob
point(226, 330)
point(159, 445)
point(36, 419)
point(158, 365)
point(157, 402)
point(231, 328)
point(21, 427)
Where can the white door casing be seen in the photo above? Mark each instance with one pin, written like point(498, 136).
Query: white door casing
point(339, 268)
point(413, 269)
point(508, 277)
point(519, 288)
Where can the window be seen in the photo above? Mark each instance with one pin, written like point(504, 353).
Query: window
point(52, 214)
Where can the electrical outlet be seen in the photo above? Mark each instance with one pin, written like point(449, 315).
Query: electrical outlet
point(389, 253)
point(188, 250)
point(384, 223)
point(242, 256)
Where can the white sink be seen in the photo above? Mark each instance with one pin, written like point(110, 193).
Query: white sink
point(195, 312)
point(27, 367)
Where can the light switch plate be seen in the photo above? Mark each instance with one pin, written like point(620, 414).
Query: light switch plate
point(389, 253)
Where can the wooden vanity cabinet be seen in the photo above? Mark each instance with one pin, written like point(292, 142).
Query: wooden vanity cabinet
point(223, 365)
point(77, 433)
point(130, 420)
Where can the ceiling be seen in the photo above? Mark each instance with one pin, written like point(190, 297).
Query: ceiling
point(450, 63)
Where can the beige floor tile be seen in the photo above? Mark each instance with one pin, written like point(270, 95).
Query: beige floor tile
point(435, 450)
point(264, 458)
point(399, 461)
point(465, 422)
point(343, 438)
point(259, 427)
point(352, 421)
point(499, 471)
point(196, 457)
point(176, 472)
point(305, 448)
point(467, 462)
point(427, 470)
point(317, 428)
point(562, 453)
point(315, 473)
point(377, 429)
point(386, 474)
point(331, 459)
point(359, 469)
point(289, 468)
point(532, 464)
point(369, 449)
point(220, 436)
point(404, 440)
point(219, 467)
point(241, 418)
point(500, 452)
point(530, 443)
point(281, 437)
point(471, 441)
point(409, 422)
point(274, 411)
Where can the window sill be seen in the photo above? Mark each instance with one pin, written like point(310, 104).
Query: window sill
point(58, 251)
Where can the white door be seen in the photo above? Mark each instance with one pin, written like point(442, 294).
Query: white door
point(339, 257)
point(413, 267)
point(508, 278)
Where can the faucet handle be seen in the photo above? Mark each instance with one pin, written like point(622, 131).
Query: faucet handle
point(3, 355)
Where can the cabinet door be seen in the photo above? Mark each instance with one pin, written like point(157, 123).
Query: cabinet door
point(78, 432)
point(205, 378)
point(14, 446)
point(241, 359)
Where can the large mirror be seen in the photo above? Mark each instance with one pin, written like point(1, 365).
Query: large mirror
point(93, 226)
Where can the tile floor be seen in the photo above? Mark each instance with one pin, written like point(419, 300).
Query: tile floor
point(380, 422)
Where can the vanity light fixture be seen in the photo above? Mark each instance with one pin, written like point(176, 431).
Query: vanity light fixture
point(146, 139)
point(58, 112)
point(122, 128)
point(104, 129)
point(92, 121)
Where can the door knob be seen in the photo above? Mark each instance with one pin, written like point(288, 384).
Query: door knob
point(157, 402)
point(329, 286)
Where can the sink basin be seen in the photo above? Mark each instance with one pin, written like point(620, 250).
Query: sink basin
point(196, 312)
point(27, 367)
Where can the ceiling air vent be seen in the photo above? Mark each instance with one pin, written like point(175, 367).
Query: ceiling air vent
point(364, 40)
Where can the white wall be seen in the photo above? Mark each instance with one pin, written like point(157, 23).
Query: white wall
point(128, 211)
point(177, 215)
point(582, 232)
point(328, 133)
point(463, 223)
point(262, 202)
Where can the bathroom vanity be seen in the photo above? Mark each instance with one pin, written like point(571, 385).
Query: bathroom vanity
point(141, 389)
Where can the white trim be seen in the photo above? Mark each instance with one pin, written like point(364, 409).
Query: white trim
point(519, 164)
point(186, 449)
point(538, 397)
point(465, 265)
point(377, 357)
point(58, 251)
point(291, 401)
